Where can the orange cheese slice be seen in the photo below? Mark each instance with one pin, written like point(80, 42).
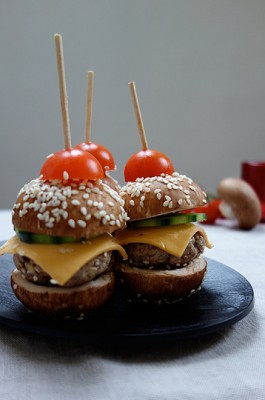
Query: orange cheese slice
point(172, 239)
point(62, 261)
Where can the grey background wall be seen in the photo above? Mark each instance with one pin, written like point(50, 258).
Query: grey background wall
point(199, 68)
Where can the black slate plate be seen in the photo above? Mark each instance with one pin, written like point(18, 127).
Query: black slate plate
point(226, 297)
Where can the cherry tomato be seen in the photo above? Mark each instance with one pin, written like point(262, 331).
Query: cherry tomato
point(211, 210)
point(72, 164)
point(147, 163)
point(101, 153)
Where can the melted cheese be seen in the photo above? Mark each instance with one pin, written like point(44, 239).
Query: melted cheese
point(62, 261)
point(172, 239)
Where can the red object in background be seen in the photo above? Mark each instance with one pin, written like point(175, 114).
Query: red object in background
point(211, 210)
point(147, 163)
point(253, 172)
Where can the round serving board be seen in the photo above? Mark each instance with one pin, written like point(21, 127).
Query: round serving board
point(225, 298)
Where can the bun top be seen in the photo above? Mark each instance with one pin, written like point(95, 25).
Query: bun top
point(160, 195)
point(82, 210)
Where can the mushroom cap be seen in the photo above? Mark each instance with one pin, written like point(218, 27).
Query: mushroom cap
point(243, 201)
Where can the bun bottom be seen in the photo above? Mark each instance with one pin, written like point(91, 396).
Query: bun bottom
point(162, 286)
point(74, 302)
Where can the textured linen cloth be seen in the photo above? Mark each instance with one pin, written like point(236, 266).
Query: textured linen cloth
point(228, 364)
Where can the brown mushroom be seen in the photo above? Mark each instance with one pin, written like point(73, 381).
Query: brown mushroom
point(240, 202)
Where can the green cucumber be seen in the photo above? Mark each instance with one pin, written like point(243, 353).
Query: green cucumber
point(167, 220)
point(36, 238)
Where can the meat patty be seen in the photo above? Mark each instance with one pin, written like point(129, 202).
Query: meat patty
point(34, 273)
point(147, 256)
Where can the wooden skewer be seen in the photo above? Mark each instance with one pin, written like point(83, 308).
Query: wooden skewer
point(63, 92)
point(90, 84)
point(138, 115)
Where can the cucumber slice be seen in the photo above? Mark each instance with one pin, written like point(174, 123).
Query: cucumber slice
point(36, 238)
point(166, 220)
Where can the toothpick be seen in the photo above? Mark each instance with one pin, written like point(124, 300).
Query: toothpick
point(138, 115)
point(90, 84)
point(63, 92)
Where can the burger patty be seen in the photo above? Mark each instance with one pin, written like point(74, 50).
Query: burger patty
point(146, 256)
point(89, 271)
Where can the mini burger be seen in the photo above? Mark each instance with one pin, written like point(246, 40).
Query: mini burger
point(163, 244)
point(63, 247)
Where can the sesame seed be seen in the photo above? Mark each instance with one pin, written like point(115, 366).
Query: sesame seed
point(40, 217)
point(71, 223)
point(75, 202)
point(49, 224)
point(83, 210)
point(132, 202)
point(50, 155)
point(100, 205)
point(81, 223)
point(65, 175)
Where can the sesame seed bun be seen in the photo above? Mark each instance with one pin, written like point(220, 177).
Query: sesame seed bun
point(162, 285)
point(81, 210)
point(111, 182)
point(159, 195)
point(62, 302)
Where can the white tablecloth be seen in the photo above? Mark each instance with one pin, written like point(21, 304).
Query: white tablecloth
point(229, 364)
